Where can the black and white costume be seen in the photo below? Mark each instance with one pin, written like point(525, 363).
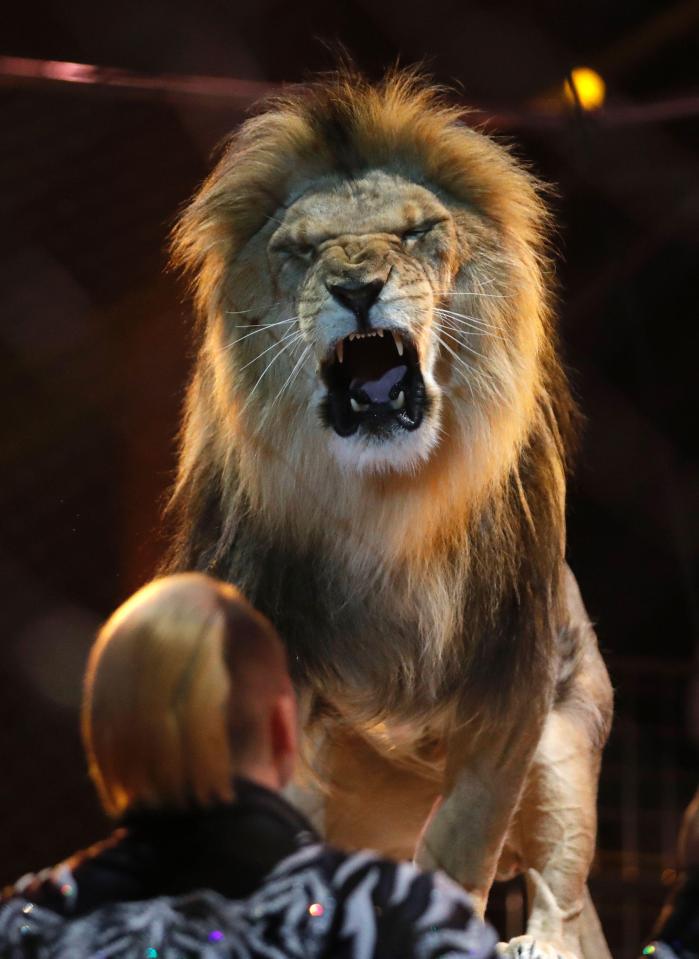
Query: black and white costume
point(245, 881)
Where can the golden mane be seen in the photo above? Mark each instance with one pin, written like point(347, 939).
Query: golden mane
point(446, 564)
point(343, 123)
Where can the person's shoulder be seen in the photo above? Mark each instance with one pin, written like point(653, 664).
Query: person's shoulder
point(201, 920)
point(57, 887)
point(53, 888)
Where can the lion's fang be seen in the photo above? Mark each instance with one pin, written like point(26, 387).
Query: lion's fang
point(358, 407)
point(339, 349)
point(398, 341)
point(399, 401)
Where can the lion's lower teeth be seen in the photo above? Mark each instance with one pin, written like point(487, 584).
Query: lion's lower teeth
point(396, 404)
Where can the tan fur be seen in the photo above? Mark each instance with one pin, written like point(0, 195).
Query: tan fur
point(439, 630)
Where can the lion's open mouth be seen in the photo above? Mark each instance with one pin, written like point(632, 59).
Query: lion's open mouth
point(374, 381)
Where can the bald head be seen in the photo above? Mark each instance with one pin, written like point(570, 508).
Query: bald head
point(186, 686)
point(257, 665)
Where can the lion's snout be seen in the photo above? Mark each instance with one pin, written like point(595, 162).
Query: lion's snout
point(358, 298)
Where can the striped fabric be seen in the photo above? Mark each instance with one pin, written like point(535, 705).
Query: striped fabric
point(316, 903)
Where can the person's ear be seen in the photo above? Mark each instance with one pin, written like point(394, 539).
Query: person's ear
point(284, 736)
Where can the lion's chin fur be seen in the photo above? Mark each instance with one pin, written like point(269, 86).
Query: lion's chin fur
point(402, 453)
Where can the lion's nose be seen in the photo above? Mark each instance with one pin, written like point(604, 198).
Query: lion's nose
point(359, 299)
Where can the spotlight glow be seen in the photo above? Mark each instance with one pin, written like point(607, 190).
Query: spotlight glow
point(589, 86)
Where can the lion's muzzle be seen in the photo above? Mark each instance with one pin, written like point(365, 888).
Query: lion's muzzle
point(374, 384)
point(357, 298)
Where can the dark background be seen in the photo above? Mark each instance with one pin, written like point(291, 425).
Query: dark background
point(95, 347)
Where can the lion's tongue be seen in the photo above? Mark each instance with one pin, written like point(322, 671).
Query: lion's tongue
point(379, 391)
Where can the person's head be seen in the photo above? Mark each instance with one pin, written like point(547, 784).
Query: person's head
point(186, 687)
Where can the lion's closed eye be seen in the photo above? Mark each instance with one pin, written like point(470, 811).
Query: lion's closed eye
point(304, 252)
point(414, 234)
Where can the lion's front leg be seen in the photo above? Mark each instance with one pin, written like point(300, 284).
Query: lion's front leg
point(556, 826)
point(485, 776)
point(557, 821)
point(358, 798)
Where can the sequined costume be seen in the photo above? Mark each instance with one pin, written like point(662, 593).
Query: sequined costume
point(246, 881)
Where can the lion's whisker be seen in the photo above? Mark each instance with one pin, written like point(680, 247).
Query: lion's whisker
point(475, 373)
point(459, 359)
point(466, 320)
point(464, 345)
point(294, 372)
point(460, 324)
point(250, 309)
point(258, 329)
point(464, 325)
point(492, 296)
point(261, 329)
point(300, 367)
point(303, 358)
point(274, 358)
point(466, 367)
point(294, 334)
point(265, 326)
point(465, 316)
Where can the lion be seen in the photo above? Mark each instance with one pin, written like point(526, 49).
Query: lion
point(374, 449)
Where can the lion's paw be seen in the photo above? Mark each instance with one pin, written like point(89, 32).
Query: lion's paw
point(527, 947)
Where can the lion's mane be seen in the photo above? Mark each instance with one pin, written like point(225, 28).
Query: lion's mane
point(398, 593)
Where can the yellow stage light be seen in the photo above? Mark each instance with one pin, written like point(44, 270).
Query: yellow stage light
point(589, 86)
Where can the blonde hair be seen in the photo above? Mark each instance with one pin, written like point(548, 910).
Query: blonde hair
point(158, 710)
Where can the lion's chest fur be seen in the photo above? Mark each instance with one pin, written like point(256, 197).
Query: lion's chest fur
point(378, 640)
point(396, 644)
